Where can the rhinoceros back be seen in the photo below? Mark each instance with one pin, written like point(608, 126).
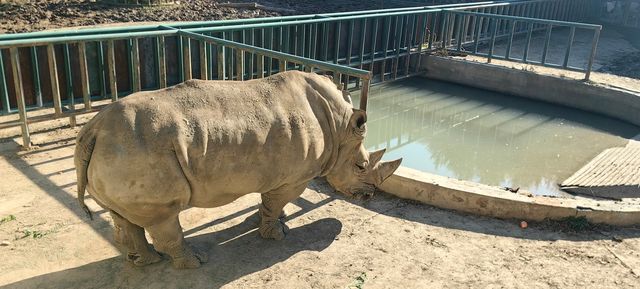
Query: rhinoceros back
point(228, 138)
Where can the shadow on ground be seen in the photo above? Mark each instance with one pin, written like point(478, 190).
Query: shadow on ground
point(235, 252)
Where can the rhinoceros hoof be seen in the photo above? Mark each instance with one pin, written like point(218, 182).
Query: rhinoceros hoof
point(276, 230)
point(190, 260)
point(143, 259)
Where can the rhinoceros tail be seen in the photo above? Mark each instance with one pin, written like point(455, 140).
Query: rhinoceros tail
point(85, 142)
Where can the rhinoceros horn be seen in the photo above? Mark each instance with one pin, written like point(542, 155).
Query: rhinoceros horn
point(376, 156)
point(386, 169)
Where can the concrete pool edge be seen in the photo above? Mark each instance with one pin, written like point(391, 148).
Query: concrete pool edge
point(609, 101)
point(480, 199)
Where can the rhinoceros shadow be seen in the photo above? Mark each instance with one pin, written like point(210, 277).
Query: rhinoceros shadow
point(233, 253)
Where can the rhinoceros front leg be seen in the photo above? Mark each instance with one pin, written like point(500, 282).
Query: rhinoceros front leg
point(130, 235)
point(271, 225)
point(169, 239)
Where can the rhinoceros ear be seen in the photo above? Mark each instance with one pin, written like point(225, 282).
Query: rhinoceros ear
point(358, 120)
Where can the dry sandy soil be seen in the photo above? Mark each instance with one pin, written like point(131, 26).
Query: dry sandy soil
point(333, 243)
point(25, 16)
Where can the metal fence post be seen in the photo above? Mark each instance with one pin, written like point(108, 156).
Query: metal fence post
point(22, 109)
point(594, 45)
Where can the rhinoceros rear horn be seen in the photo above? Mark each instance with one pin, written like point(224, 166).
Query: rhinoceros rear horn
point(376, 156)
point(386, 169)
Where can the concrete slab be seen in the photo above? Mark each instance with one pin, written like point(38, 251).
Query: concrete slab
point(614, 174)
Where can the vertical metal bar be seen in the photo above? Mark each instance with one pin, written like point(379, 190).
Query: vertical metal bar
point(458, 21)
point(270, 46)
point(364, 94)
point(203, 61)
point(385, 46)
point(528, 43)
point(493, 38)
point(162, 62)
point(363, 31)
point(398, 39)
point(546, 44)
point(260, 65)
point(325, 41)
point(101, 70)
point(314, 42)
point(53, 75)
point(594, 45)
point(180, 46)
point(572, 33)
point(477, 29)
point(111, 63)
point(210, 58)
point(186, 52)
point(350, 32)
point(221, 63)
point(239, 64)
point(69, 78)
point(84, 75)
point(472, 28)
point(262, 58)
point(6, 106)
point(374, 38)
point(135, 60)
point(409, 42)
point(432, 33)
point(423, 31)
point(229, 58)
point(17, 84)
point(512, 28)
point(336, 45)
point(35, 69)
point(282, 65)
point(251, 55)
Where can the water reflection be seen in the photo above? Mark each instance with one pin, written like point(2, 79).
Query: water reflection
point(486, 137)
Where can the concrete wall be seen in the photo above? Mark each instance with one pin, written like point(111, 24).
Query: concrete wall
point(616, 103)
point(475, 198)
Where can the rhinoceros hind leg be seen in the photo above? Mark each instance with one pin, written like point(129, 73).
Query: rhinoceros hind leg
point(140, 253)
point(271, 211)
point(168, 238)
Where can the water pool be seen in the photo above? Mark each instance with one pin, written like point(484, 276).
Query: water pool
point(486, 137)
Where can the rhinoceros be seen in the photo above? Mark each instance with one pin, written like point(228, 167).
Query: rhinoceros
point(149, 156)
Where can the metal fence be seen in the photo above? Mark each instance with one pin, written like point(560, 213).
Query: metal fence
point(470, 30)
point(59, 69)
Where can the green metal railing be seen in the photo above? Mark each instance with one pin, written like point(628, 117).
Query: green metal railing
point(471, 30)
point(61, 68)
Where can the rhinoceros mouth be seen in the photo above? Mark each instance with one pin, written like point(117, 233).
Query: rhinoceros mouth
point(363, 192)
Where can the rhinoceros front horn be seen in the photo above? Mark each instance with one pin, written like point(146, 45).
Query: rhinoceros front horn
point(386, 169)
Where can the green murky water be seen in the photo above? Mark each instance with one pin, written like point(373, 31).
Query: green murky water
point(486, 137)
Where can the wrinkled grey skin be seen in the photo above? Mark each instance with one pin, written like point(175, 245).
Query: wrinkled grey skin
point(206, 143)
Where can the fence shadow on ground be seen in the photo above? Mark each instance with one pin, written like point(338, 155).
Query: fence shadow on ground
point(244, 254)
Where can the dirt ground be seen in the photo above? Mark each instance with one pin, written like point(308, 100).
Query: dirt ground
point(47, 242)
point(47, 14)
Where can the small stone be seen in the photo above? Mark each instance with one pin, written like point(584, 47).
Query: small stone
point(5, 243)
point(616, 238)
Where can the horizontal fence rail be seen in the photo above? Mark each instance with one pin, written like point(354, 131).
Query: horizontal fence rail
point(470, 32)
point(71, 71)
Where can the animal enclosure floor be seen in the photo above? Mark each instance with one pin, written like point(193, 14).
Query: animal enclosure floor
point(333, 243)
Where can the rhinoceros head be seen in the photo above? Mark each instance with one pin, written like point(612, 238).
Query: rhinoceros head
point(357, 172)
